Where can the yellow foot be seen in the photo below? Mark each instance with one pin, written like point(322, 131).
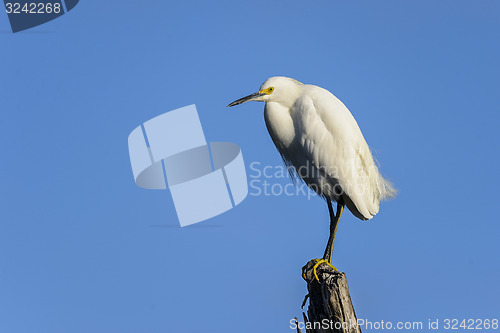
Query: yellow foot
point(319, 262)
point(316, 265)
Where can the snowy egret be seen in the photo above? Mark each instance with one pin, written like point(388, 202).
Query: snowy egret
point(317, 135)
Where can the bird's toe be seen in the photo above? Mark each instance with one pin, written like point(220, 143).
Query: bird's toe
point(315, 263)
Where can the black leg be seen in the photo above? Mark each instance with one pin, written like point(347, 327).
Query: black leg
point(334, 221)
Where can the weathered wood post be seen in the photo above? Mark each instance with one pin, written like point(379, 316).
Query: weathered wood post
point(330, 307)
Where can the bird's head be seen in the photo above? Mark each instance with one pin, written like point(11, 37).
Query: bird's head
point(279, 89)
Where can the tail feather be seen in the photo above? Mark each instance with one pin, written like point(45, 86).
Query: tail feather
point(386, 188)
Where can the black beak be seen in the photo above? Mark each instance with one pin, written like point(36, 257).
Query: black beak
point(246, 99)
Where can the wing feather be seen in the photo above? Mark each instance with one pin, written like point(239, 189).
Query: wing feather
point(329, 138)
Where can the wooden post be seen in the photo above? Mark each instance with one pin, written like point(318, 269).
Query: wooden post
point(330, 308)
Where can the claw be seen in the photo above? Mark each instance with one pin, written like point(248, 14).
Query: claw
point(319, 262)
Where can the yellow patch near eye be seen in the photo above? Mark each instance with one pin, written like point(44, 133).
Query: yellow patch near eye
point(267, 91)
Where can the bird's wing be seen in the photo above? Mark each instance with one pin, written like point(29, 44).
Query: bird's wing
point(330, 138)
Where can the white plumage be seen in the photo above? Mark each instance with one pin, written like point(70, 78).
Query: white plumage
point(315, 132)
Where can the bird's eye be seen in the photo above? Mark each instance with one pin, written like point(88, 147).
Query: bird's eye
point(271, 89)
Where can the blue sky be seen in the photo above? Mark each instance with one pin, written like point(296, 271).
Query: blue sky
point(83, 249)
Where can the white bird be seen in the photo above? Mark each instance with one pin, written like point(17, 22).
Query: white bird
point(316, 134)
